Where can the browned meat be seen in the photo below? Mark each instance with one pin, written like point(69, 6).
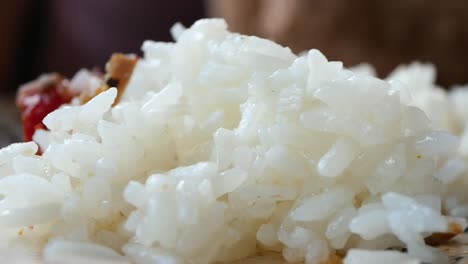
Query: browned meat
point(119, 69)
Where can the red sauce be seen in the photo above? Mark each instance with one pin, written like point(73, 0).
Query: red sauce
point(50, 91)
point(39, 98)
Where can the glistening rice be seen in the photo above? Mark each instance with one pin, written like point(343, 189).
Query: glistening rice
point(225, 145)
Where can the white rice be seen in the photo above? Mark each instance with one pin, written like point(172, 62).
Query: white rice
point(225, 145)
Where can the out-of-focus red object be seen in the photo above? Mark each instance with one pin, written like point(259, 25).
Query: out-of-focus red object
point(39, 98)
point(42, 96)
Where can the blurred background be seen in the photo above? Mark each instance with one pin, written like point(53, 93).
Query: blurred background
point(65, 35)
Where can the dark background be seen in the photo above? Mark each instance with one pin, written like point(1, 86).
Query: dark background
point(66, 35)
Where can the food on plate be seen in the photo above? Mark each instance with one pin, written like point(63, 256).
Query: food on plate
point(227, 148)
point(38, 98)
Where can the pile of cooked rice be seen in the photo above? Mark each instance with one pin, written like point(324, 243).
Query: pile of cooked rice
point(225, 147)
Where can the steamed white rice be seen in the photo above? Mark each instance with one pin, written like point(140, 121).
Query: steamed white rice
point(225, 145)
